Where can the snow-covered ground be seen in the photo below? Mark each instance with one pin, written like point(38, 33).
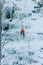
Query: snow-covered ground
point(19, 50)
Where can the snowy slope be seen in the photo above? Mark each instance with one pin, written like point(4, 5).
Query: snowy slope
point(16, 50)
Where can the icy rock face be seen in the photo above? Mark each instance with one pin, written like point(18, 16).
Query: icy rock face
point(8, 10)
point(16, 49)
point(22, 54)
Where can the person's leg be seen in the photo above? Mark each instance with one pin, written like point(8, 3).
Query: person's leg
point(23, 34)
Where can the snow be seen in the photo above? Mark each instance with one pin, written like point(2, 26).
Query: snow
point(19, 50)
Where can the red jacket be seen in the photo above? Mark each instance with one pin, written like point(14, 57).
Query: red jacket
point(22, 30)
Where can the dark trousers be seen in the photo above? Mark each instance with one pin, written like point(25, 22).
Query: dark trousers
point(22, 33)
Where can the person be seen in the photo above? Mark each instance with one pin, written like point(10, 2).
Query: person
point(22, 32)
